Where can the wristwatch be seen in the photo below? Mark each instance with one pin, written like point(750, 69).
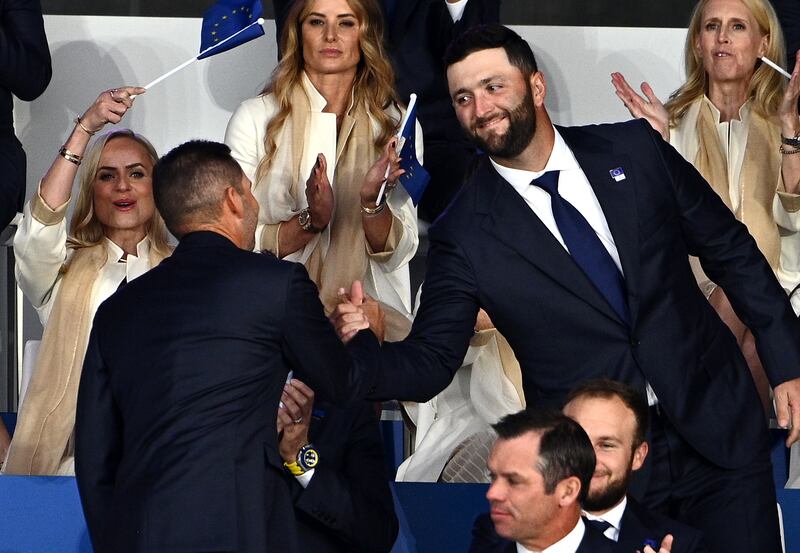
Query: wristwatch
point(305, 222)
point(307, 457)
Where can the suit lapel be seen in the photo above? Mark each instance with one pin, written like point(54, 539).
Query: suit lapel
point(510, 220)
point(636, 527)
point(618, 201)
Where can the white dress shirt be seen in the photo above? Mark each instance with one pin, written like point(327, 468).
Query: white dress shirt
point(574, 187)
point(567, 544)
point(456, 9)
point(613, 517)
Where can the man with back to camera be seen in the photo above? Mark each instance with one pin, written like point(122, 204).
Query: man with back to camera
point(576, 242)
point(540, 465)
point(615, 417)
point(176, 442)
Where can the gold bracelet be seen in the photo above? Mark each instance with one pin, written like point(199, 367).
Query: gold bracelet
point(87, 131)
point(786, 152)
point(373, 210)
point(72, 157)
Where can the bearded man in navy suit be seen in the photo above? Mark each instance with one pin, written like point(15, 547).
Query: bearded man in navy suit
point(576, 242)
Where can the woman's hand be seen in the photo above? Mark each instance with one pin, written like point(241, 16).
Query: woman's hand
point(319, 194)
point(787, 110)
point(109, 107)
point(649, 107)
point(377, 174)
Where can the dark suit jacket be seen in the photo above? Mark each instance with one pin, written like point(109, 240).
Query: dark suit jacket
point(640, 525)
point(176, 445)
point(25, 73)
point(486, 540)
point(489, 250)
point(348, 504)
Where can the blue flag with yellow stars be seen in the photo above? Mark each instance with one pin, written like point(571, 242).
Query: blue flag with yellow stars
point(226, 18)
point(416, 178)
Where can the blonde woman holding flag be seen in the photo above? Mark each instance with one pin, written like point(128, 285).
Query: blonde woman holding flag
point(319, 143)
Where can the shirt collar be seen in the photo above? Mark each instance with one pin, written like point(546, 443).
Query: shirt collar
point(561, 159)
point(567, 544)
point(612, 516)
point(316, 100)
point(115, 253)
point(744, 111)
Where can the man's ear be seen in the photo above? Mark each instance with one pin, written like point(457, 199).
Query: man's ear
point(234, 202)
point(538, 88)
point(568, 490)
point(639, 455)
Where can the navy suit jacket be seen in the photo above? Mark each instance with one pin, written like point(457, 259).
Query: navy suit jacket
point(25, 73)
point(489, 250)
point(486, 540)
point(176, 446)
point(348, 504)
point(639, 525)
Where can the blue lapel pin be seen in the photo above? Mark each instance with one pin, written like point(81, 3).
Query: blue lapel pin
point(617, 174)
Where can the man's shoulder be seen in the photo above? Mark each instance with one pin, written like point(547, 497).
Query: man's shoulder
point(486, 540)
point(631, 131)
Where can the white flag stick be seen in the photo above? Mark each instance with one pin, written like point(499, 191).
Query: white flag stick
point(259, 21)
point(412, 101)
point(776, 67)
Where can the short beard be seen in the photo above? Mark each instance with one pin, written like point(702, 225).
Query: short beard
point(521, 128)
point(607, 498)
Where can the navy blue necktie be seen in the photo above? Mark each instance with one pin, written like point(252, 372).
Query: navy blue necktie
point(601, 525)
point(585, 247)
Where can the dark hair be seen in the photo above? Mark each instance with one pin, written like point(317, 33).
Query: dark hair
point(633, 399)
point(486, 37)
point(189, 183)
point(564, 448)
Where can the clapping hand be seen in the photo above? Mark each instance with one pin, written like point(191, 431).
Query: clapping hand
point(648, 107)
point(319, 194)
point(294, 418)
point(387, 168)
point(666, 546)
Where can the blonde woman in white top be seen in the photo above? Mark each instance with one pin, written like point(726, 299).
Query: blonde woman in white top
point(728, 119)
point(115, 235)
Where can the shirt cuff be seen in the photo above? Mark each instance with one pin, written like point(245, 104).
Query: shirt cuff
point(269, 238)
point(44, 213)
point(790, 202)
point(456, 9)
point(305, 478)
point(395, 234)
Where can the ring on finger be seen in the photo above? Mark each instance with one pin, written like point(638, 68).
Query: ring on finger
point(112, 91)
point(298, 420)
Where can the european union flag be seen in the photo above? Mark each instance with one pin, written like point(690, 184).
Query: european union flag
point(416, 178)
point(226, 18)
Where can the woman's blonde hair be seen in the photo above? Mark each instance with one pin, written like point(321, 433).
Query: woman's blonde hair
point(766, 84)
point(85, 229)
point(373, 85)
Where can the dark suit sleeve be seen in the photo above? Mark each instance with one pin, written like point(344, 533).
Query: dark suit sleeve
point(484, 537)
point(730, 257)
point(313, 349)
point(98, 440)
point(422, 365)
point(24, 55)
point(354, 501)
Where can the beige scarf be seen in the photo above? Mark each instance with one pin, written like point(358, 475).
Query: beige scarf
point(336, 263)
point(42, 440)
point(759, 176)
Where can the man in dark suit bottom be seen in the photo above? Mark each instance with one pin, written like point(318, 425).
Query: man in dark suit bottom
point(176, 440)
point(615, 417)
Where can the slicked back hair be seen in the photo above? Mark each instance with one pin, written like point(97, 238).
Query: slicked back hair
point(564, 448)
point(189, 184)
point(487, 37)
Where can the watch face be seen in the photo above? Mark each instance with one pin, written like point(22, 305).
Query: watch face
point(308, 458)
point(304, 218)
